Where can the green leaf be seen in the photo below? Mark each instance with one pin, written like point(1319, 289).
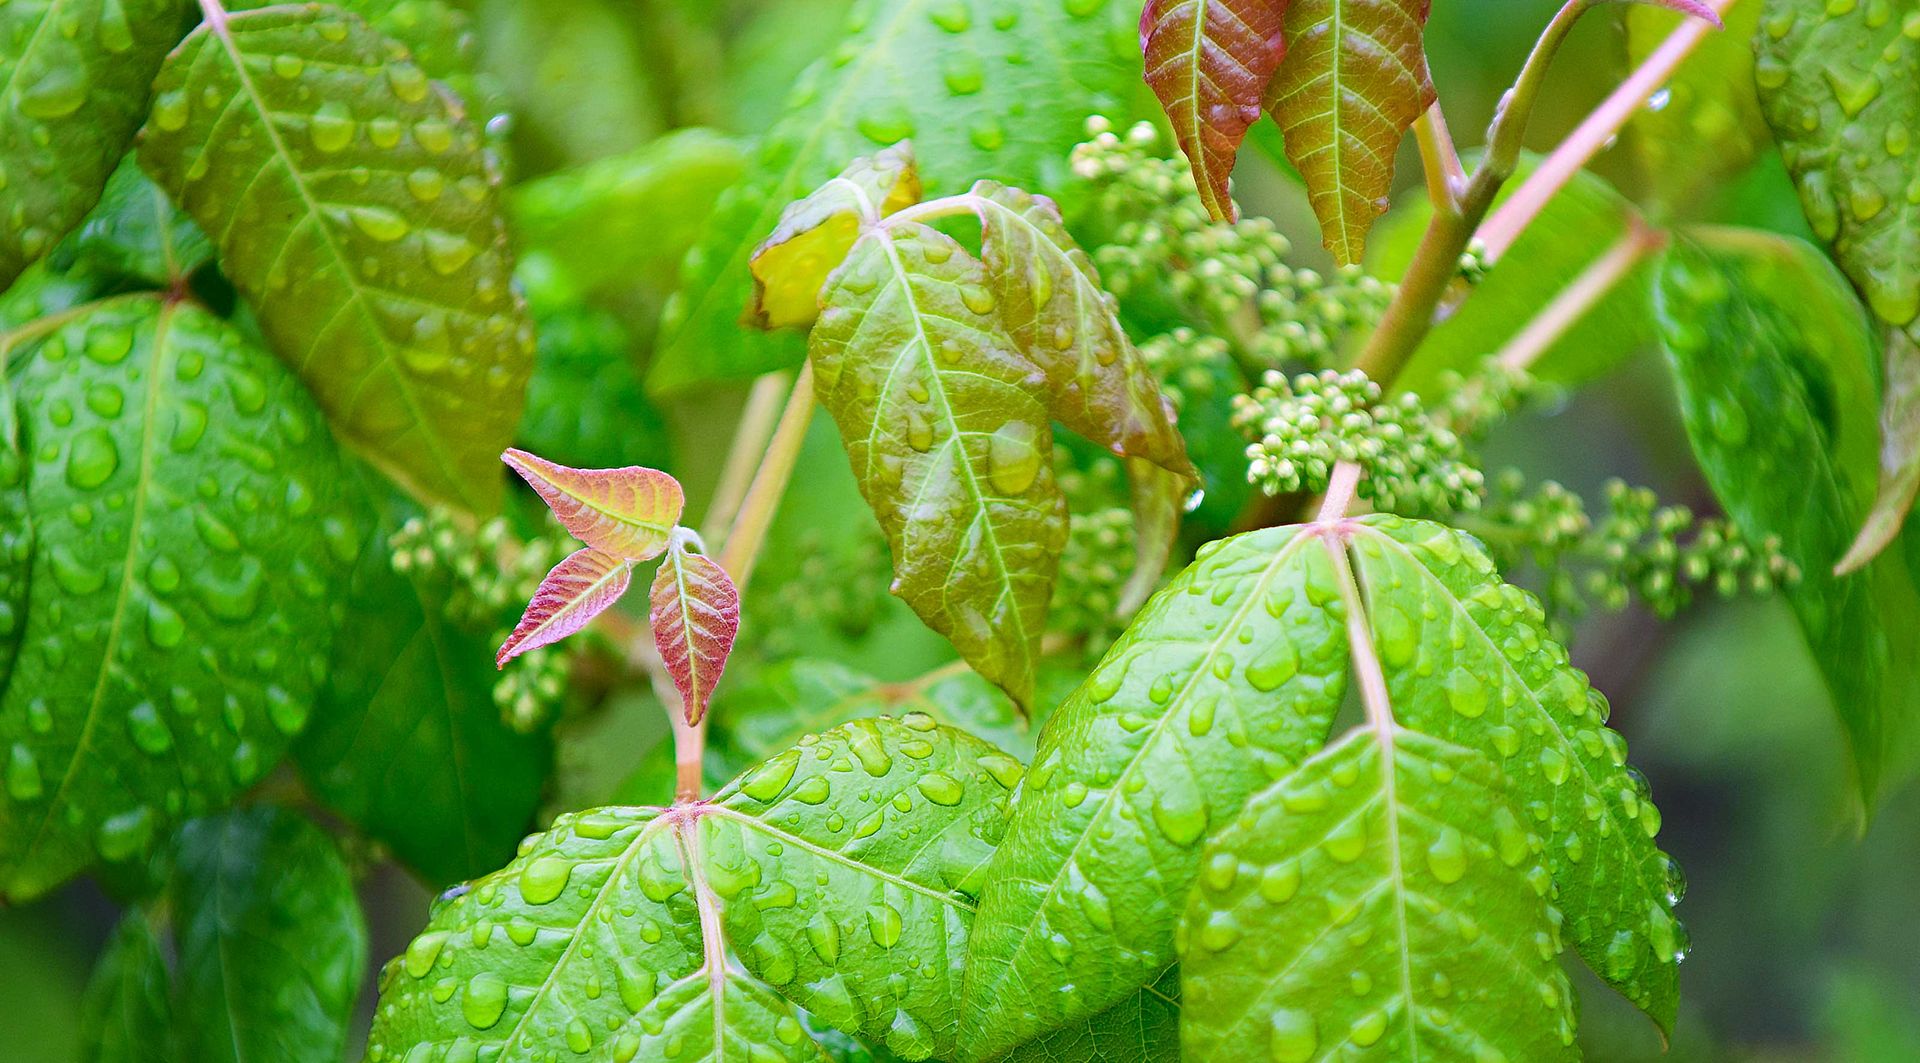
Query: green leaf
point(351, 203)
point(439, 37)
point(1446, 947)
point(1353, 81)
point(272, 946)
point(1840, 85)
point(1052, 303)
point(629, 217)
point(1029, 75)
point(1899, 453)
point(1469, 661)
point(1209, 62)
point(1576, 228)
point(16, 531)
point(1773, 359)
point(1707, 127)
point(854, 856)
point(950, 444)
point(585, 403)
point(814, 234)
point(1229, 677)
point(195, 537)
point(136, 234)
point(74, 76)
point(127, 1014)
point(407, 742)
point(1143, 1028)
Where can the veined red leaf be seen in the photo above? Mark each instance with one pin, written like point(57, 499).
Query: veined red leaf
point(578, 589)
point(814, 235)
point(1353, 80)
point(628, 512)
point(1210, 62)
point(696, 614)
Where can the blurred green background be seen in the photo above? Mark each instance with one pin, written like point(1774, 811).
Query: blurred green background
point(1806, 931)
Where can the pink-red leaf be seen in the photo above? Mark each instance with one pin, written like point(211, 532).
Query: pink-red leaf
point(1210, 62)
point(627, 512)
point(696, 614)
point(578, 589)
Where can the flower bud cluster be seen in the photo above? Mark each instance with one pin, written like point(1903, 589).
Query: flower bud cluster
point(836, 583)
point(1093, 568)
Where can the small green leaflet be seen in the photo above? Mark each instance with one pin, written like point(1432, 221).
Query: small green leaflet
point(1840, 84)
point(195, 539)
point(1028, 73)
point(952, 448)
point(128, 1013)
point(1353, 81)
point(253, 889)
point(1773, 361)
point(406, 741)
point(623, 931)
point(1448, 944)
point(135, 234)
point(75, 76)
point(1210, 62)
point(351, 202)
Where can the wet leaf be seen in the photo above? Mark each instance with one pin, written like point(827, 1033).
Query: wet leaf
point(695, 616)
point(575, 591)
point(857, 855)
point(127, 1013)
point(351, 202)
point(407, 742)
point(1229, 677)
point(1447, 942)
point(1209, 62)
point(1052, 304)
point(1352, 83)
point(16, 531)
point(195, 542)
point(1899, 453)
point(1157, 498)
point(136, 233)
point(897, 74)
point(439, 37)
point(815, 233)
point(1143, 1028)
point(949, 442)
point(1773, 361)
point(627, 512)
point(75, 74)
point(1838, 84)
point(253, 888)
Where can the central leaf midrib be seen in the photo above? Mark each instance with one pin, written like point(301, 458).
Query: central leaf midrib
point(945, 897)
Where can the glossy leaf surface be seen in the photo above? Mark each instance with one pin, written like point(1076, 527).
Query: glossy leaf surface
point(949, 442)
point(195, 542)
point(626, 512)
point(254, 888)
point(137, 234)
point(407, 742)
point(1899, 452)
point(1050, 298)
point(577, 589)
point(1447, 944)
point(74, 77)
point(128, 1013)
point(1143, 1028)
point(350, 201)
point(815, 233)
point(1228, 678)
point(695, 615)
point(854, 856)
point(1773, 360)
point(1838, 83)
point(16, 532)
point(896, 75)
point(1354, 79)
point(1209, 63)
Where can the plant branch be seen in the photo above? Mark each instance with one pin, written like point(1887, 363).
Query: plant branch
point(1446, 179)
point(1581, 294)
point(749, 440)
point(749, 531)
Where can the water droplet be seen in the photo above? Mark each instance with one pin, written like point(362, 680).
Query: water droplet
point(23, 774)
point(544, 878)
point(92, 459)
point(1291, 1036)
point(148, 729)
point(1447, 856)
point(59, 90)
point(940, 788)
point(123, 835)
point(824, 935)
point(408, 82)
point(1347, 841)
point(484, 1001)
point(883, 922)
point(1013, 458)
point(378, 222)
point(332, 127)
point(766, 783)
point(447, 252)
point(1368, 1028)
point(170, 111)
point(426, 185)
point(422, 953)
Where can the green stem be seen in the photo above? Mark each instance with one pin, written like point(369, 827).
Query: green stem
point(749, 440)
point(749, 531)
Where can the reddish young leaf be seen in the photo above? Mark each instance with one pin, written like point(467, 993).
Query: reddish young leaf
point(1209, 62)
point(578, 589)
point(628, 512)
point(696, 613)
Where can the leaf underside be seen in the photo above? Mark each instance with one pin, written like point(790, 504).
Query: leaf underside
point(1209, 62)
point(351, 202)
point(1353, 81)
point(695, 615)
point(74, 76)
point(950, 444)
point(195, 537)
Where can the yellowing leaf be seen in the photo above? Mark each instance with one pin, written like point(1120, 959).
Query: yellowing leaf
point(628, 512)
point(1209, 62)
point(1354, 79)
point(578, 589)
point(696, 614)
point(815, 234)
